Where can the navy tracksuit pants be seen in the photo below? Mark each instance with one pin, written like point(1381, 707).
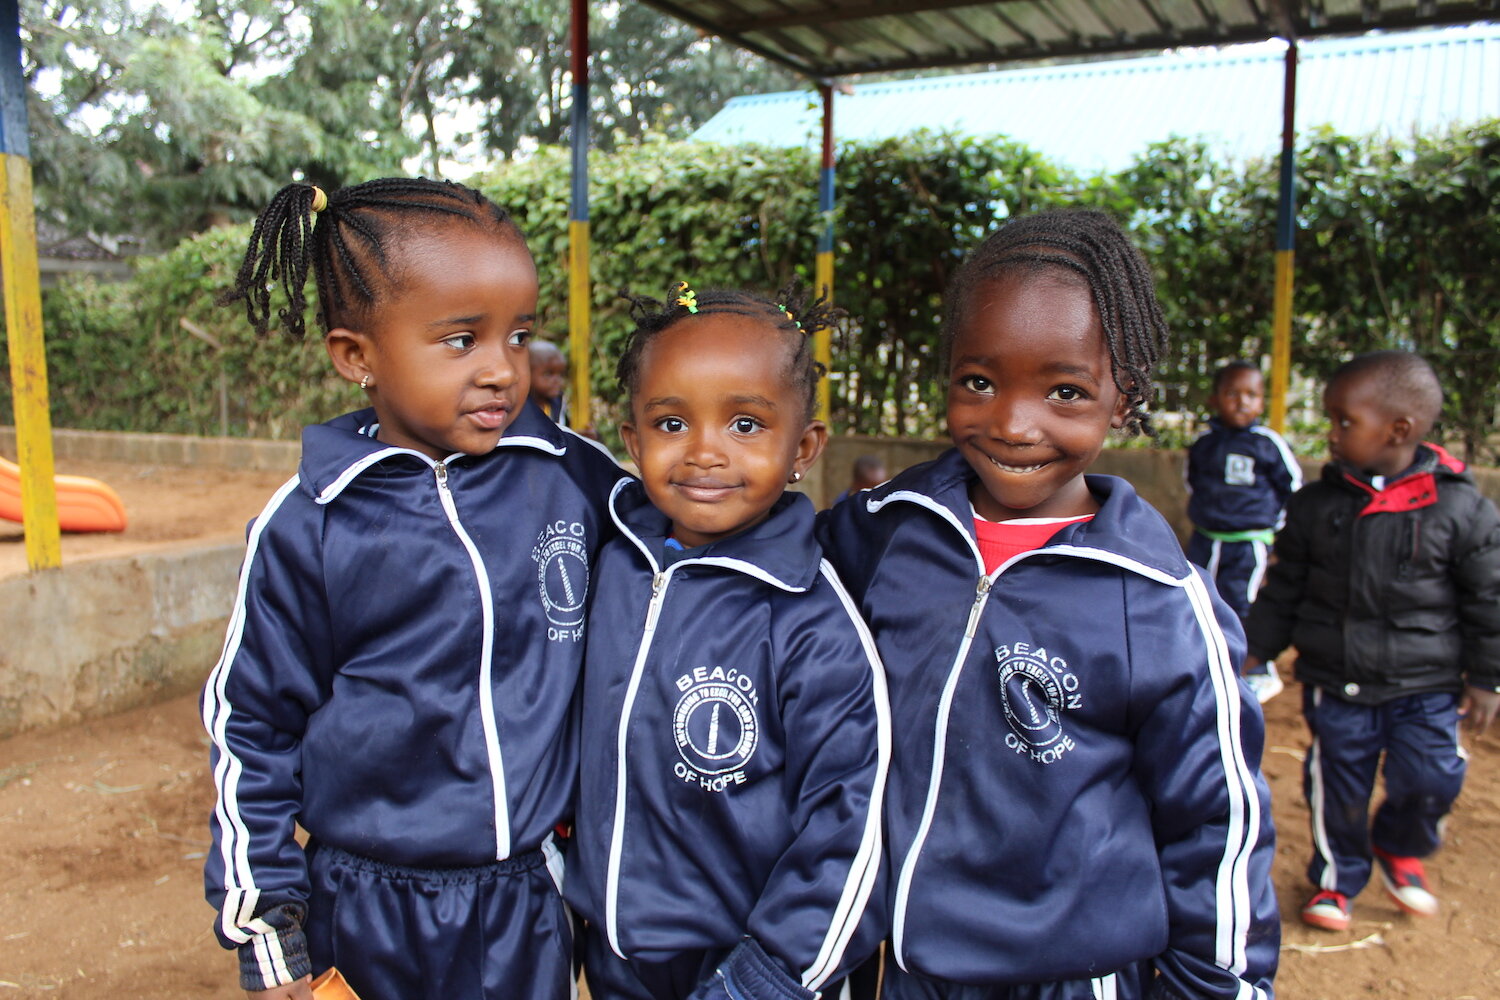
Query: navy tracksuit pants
point(1237, 568)
point(1424, 770)
point(1128, 984)
point(493, 932)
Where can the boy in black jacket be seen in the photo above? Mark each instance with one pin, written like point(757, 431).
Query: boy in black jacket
point(1387, 581)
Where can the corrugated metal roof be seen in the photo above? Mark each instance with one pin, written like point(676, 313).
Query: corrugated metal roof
point(1097, 116)
point(831, 38)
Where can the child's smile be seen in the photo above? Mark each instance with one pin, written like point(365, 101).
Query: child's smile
point(717, 426)
point(1032, 396)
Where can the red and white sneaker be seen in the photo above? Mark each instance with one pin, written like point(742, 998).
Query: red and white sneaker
point(1406, 883)
point(1328, 910)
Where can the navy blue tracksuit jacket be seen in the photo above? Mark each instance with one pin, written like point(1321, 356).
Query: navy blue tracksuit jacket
point(1075, 786)
point(400, 667)
point(736, 737)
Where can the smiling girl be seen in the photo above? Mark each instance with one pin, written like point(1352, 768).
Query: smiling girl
point(1075, 807)
point(734, 714)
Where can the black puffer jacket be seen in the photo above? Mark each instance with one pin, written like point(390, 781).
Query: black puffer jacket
point(1389, 592)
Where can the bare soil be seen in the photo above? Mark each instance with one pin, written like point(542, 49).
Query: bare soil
point(103, 827)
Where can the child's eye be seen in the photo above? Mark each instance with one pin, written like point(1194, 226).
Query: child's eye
point(977, 383)
point(519, 338)
point(745, 425)
point(460, 341)
point(672, 425)
point(1068, 393)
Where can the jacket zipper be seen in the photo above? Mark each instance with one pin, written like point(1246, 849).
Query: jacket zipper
point(617, 831)
point(486, 653)
point(940, 733)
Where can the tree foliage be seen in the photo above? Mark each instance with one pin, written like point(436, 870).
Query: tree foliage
point(158, 125)
point(1396, 249)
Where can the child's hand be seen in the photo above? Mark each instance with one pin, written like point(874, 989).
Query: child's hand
point(1479, 708)
point(300, 990)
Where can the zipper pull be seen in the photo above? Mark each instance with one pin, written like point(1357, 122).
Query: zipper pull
point(982, 591)
point(445, 494)
point(653, 610)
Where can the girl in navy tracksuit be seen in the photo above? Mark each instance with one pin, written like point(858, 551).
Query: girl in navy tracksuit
point(735, 732)
point(401, 663)
point(1075, 808)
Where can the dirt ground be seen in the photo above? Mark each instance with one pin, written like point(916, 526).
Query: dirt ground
point(103, 827)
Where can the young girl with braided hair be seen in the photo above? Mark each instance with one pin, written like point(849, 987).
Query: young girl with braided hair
point(1076, 809)
point(399, 674)
point(734, 718)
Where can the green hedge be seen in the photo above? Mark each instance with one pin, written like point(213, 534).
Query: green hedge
point(1397, 248)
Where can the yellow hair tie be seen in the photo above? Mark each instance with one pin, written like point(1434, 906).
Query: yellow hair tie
point(320, 200)
point(688, 299)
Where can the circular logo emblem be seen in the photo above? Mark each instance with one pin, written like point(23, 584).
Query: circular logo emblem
point(563, 578)
point(715, 728)
point(1032, 698)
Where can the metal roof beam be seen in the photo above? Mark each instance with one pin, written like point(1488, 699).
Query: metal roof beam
point(860, 12)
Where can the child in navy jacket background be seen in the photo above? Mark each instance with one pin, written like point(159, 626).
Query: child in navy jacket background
point(402, 659)
point(1240, 474)
point(734, 713)
point(1075, 807)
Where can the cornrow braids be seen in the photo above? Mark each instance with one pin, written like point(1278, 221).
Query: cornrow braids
point(1092, 246)
point(348, 248)
point(794, 313)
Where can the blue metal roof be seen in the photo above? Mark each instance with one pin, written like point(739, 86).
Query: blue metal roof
point(1098, 116)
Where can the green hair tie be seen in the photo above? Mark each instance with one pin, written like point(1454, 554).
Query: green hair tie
point(687, 298)
point(788, 314)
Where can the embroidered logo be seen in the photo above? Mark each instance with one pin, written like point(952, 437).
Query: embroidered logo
point(715, 727)
point(562, 562)
point(1036, 688)
point(1239, 470)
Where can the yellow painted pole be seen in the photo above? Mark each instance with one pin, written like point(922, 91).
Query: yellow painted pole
point(580, 407)
point(1281, 341)
point(823, 270)
point(1286, 243)
point(20, 282)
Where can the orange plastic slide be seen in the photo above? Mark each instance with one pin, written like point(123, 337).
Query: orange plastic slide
point(83, 504)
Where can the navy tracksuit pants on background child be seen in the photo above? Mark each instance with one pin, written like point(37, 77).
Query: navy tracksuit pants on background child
point(1237, 568)
point(1424, 771)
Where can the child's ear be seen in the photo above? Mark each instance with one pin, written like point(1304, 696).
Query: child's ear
point(632, 442)
point(809, 447)
point(350, 353)
point(1401, 430)
point(1122, 410)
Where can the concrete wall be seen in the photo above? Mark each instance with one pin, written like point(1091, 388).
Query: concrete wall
point(98, 637)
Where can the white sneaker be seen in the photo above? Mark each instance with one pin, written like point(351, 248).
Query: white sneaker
point(1265, 686)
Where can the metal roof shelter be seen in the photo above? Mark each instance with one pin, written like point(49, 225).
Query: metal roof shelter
point(827, 39)
point(1397, 85)
point(823, 39)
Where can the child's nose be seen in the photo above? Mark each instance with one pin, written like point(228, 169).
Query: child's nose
point(1013, 422)
point(499, 369)
point(705, 448)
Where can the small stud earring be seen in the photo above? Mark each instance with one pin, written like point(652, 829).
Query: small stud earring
point(796, 477)
point(364, 383)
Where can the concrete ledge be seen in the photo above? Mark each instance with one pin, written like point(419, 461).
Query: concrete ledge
point(167, 449)
point(99, 637)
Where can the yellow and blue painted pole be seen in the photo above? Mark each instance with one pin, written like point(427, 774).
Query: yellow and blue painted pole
point(21, 281)
point(581, 406)
point(823, 273)
point(1286, 243)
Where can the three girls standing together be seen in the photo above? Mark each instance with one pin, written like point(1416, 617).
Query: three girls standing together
point(986, 712)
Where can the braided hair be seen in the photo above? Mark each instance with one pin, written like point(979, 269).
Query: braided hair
point(348, 249)
point(794, 314)
point(1089, 245)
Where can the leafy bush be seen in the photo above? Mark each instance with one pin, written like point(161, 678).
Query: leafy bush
point(1396, 249)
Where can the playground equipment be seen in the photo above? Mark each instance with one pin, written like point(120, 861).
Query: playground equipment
point(83, 504)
